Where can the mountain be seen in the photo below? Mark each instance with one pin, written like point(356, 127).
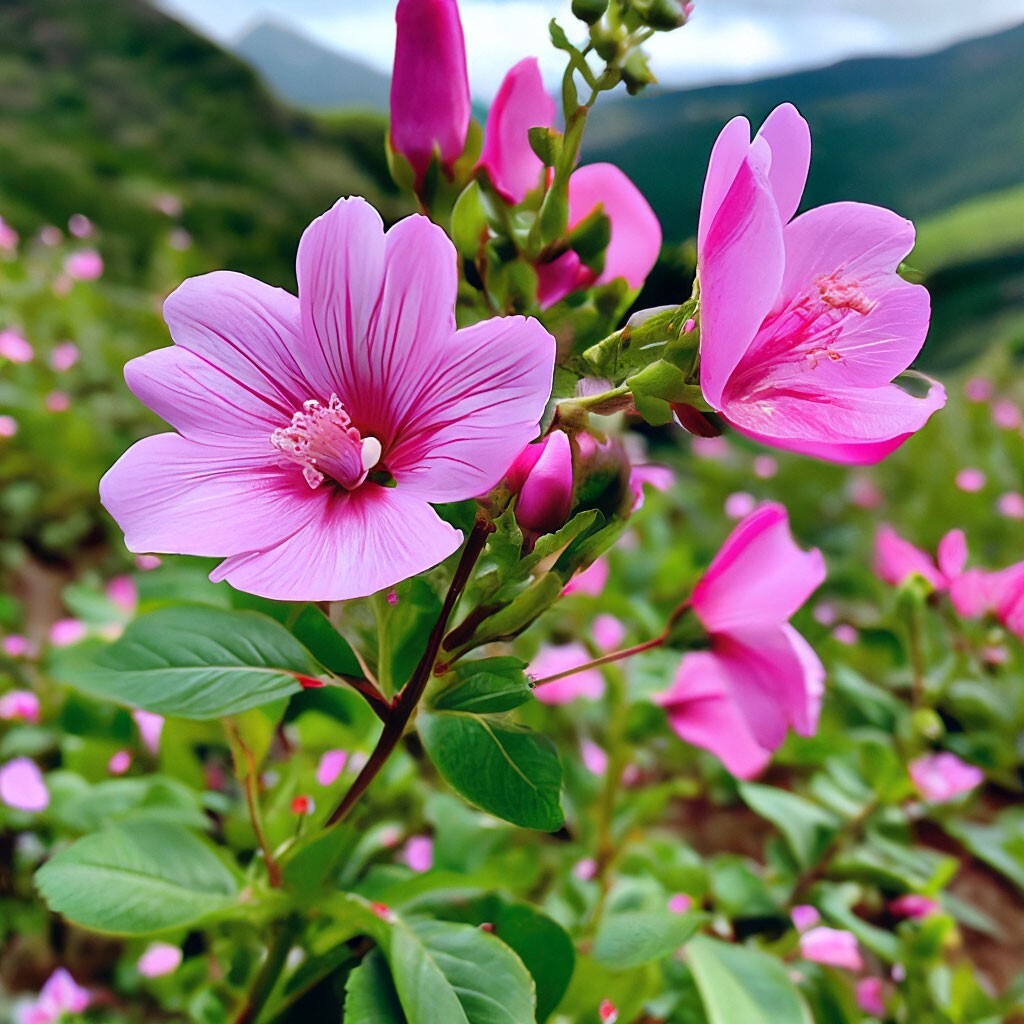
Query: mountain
point(302, 72)
point(918, 134)
point(107, 106)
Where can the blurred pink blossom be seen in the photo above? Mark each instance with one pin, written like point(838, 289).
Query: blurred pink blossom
point(831, 946)
point(553, 659)
point(846, 634)
point(60, 995)
point(150, 726)
point(805, 322)
point(8, 426)
point(8, 237)
point(740, 504)
point(50, 235)
point(591, 581)
point(64, 356)
point(970, 480)
point(119, 762)
point(14, 347)
point(760, 677)
point(942, 777)
point(594, 757)
point(865, 493)
point(85, 265)
point(168, 203)
point(418, 853)
point(179, 240)
point(160, 958)
point(978, 389)
point(608, 1012)
point(710, 447)
point(58, 401)
point(122, 592)
point(585, 869)
point(22, 785)
point(1011, 505)
point(65, 632)
point(870, 996)
point(914, 905)
point(146, 563)
point(680, 903)
point(765, 467)
point(825, 613)
point(608, 632)
point(332, 764)
point(80, 226)
point(804, 917)
point(648, 474)
point(1006, 414)
point(19, 706)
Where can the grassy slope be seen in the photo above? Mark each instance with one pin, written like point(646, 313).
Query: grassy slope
point(106, 105)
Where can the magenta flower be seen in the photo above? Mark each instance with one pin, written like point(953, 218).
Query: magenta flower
point(418, 853)
point(514, 169)
point(295, 414)
point(430, 105)
point(60, 995)
point(871, 996)
point(160, 958)
point(591, 581)
point(542, 476)
point(150, 726)
point(805, 322)
point(551, 660)
point(15, 348)
point(914, 905)
point(19, 706)
point(896, 560)
point(831, 946)
point(330, 766)
point(804, 917)
point(760, 676)
point(64, 356)
point(22, 786)
point(86, 265)
point(942, 777)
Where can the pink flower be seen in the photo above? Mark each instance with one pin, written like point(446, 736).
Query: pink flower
point(119, 762)
point(970, 480)
point(64, 356)
point(19, 706)
point(79, 225)
point(865, 493)
point(978, 389)
point(150, 726)
point(594, 757)
point(160, 958)
point(294, 414)
point(760, 676)
point(1006, 414)
point(418, 853)
point(551, 660)
point(804, 323)
point(846, 634)
point(331, 765)
point(591, 581)
point(896, 560)
point(8, 426)
point(542, 476)
point(608, 1012)
point(86, 265)
point(608, 632)
point(804, 917)
point(58, 401)
point(8, 237)
point(680, 903)
point(430, 106)
point(50, 235)
point(59, 996)
point(942, 777)
point(14, 347)
point(146, 563)
point(661, 478)
point(870, 996)
point(1011, 505)
point(831, 946)
point(765, 467)
point(65, 632)
point(122, 592)
point(514, 170)
point(22, 786)
point(914, 905)
point(585, 869)
point(740, 504)
point(17, 646)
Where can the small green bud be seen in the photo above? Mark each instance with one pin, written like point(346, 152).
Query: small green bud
point(928, 723)
point(605, 41)
point(589, 11)
point(663, 15)
point(636, 73)
point(546, 143)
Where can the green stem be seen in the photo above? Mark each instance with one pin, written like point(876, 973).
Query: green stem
point(246, 769)
point(277, 956)
point(405, 703)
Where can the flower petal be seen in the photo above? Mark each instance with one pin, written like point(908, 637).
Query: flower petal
point(174, 496)
point(701, 711)
point(855, 426)
point(348, 544)
point(727, 155)
point(789, 137)
point(760, 577)
point(522, 103)
point(896, 559)
point(476, 412)
point(740, 268)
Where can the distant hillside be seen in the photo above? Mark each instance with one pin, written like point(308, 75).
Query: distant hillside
point(918, 134)
point(106, 105)
point(309, 75)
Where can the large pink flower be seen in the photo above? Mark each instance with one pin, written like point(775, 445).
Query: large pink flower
point(805, 322)
point(760, 676)
point(315, 432)
point(514, 169)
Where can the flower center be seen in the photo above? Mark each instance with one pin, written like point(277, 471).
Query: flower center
point(322, 440)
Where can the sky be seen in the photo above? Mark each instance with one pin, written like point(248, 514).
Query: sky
point(726, 40)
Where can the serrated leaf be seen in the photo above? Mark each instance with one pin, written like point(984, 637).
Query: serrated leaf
point(197, 662)
point(138, 878)
point(504, 769)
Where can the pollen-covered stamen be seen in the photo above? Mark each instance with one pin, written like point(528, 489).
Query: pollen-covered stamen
point(842, 293)
point(322, 440)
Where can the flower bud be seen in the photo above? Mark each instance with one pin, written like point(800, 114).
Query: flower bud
point(430, 105)
point(589, 11)
point(542, 474)
point(663, 15)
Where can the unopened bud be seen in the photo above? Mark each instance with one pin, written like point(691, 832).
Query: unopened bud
point(589, 11)
point(636, 73)
point(542, 474)
point(662, 15)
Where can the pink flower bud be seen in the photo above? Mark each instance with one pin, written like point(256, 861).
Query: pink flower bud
point(160, 958)
point(150, 726)
point(418, 853)
point(121, 591)
point(58, 401)
point(804, 917)
point(1011, 505)
point(870, 997)
point(978, 389)
point(595, 759)
point(542, 474)
point(970, 480)
point(551, 661)
point(119, 763)
point(914, 905)
point(591, 581)
point(8, 237)
point(331, 765)
point(79, 225)
point(15, 348)
point(831, 946)
point(86, 265)
point(430, 105)
point(64, 356)
point(608, 632)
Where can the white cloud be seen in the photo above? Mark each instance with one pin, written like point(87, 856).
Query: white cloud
point(726, 40)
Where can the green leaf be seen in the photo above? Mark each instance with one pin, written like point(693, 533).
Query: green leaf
point(504, 769)
point(196, 662)
point(486, 686)
point(743, 986)
point(636, 937)
point(469, 222)
point(370, 996)
point(1000, 844)
point(448, 973)
point(808, 828)
point(137, 878)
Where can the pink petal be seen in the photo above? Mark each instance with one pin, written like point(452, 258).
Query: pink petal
point(804, 916)
point(477, 409)
point(942, 777)
point(22, 786)
point(973, 593)
point(522, 103)
point(789, 137)
point(856, 426)
point(760, 577)
point(831, 946)
point(345, 545)
point(897, 559)
point(331, 765)
point(727, 155)
point(740, 266)
point(160, 958)
point(174, 496)
point(418, 853)
point(551, 660)
point(701, 711)
point(591, 581)
point(953, 554)
point(635, 231)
